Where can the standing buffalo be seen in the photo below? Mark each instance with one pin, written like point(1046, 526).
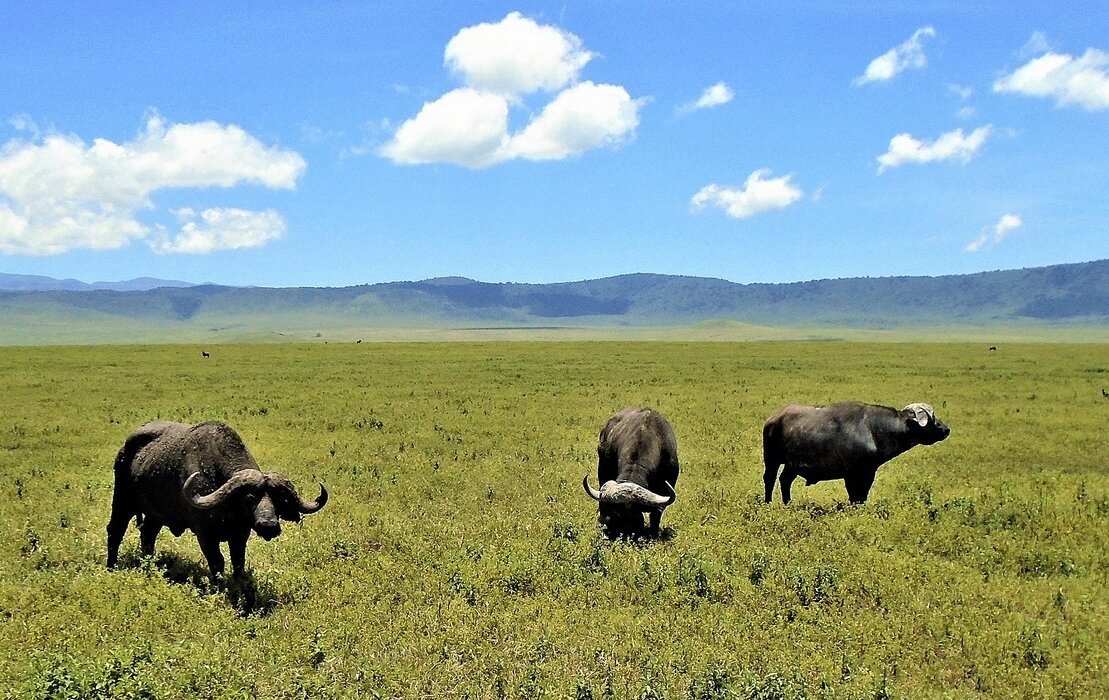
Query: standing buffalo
point(637, 459)
point(846, 441)
point(163, 469)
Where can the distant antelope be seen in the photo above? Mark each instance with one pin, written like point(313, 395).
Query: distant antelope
point(205, 353)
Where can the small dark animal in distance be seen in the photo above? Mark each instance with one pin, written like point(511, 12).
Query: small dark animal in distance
point(199, 478)
point(205, 353)
point(993, 348)
point(637, 462)
point(846, 441)
point(1105, 393)
point(358, 341)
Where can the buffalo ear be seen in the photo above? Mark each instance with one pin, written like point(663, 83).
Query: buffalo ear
point(919, 413)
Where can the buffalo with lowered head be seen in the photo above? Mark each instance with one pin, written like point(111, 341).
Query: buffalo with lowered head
point(199, 478)
point(846, 441)
point(637, 467)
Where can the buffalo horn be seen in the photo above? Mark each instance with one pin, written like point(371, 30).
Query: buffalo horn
point(595, 495)
point(241, 479)
point(278, 482)
point(631, 494)
point(312, 506)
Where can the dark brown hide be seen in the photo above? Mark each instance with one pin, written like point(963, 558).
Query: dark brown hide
point(637, 447)
point(227, 495)
point(846, 441)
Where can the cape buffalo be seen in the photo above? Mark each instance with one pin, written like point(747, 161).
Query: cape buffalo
point(162, 474)
point(637, 460)
point(846, 441)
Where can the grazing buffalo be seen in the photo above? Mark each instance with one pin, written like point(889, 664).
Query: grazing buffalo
point(637, 462)
point(199, 478)
point(846, 441)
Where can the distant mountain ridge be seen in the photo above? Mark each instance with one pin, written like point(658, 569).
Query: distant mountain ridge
point(1071, 294)
point(40, 283)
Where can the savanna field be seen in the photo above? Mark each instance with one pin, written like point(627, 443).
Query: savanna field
point(459, 557)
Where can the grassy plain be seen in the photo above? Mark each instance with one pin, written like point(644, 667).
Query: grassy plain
point(459, 557)
point(55, 325)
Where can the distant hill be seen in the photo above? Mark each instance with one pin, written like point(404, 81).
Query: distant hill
point(39, 283)
point(1059, 295)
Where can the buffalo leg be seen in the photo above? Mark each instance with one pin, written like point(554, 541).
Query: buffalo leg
point(237, 546)
point(858, 487)
point(210, 548)
point(117, 527)
point(785, 481)
point(148, 533)
point(606, 517)
point(122, 512)
point(768, 477)
point(656, 520)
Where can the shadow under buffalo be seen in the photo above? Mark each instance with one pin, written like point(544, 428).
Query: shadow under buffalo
point(640, 537)
point(816, 511)
point(244, 593)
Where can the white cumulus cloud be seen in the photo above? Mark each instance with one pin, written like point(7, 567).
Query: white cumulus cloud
point(713, 96)
point(499, 65)
point(993, 235)
point(58, 193)
point(1082, 81)
point(515, 56)
point(907, 54)
point(464, 127)
point(582, 117)
point(953, 145)
point(759, 194)
point(220, 229)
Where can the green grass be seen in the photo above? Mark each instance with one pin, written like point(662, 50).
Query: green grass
point(59, 326)
point(458, 556)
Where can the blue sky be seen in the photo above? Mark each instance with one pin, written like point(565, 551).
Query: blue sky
point(339, 143)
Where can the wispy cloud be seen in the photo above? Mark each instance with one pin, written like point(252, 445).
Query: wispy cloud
point(1082, 81)
point(1037, 44)
point(713, 96)
point(908, 54)
point(219, 229)
point(499, 65)
point(992, 235)
point(24, 122)
point(963, 92)
point(58, 193)
point(953, 145)
point(759, 194)
point(310, 133)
